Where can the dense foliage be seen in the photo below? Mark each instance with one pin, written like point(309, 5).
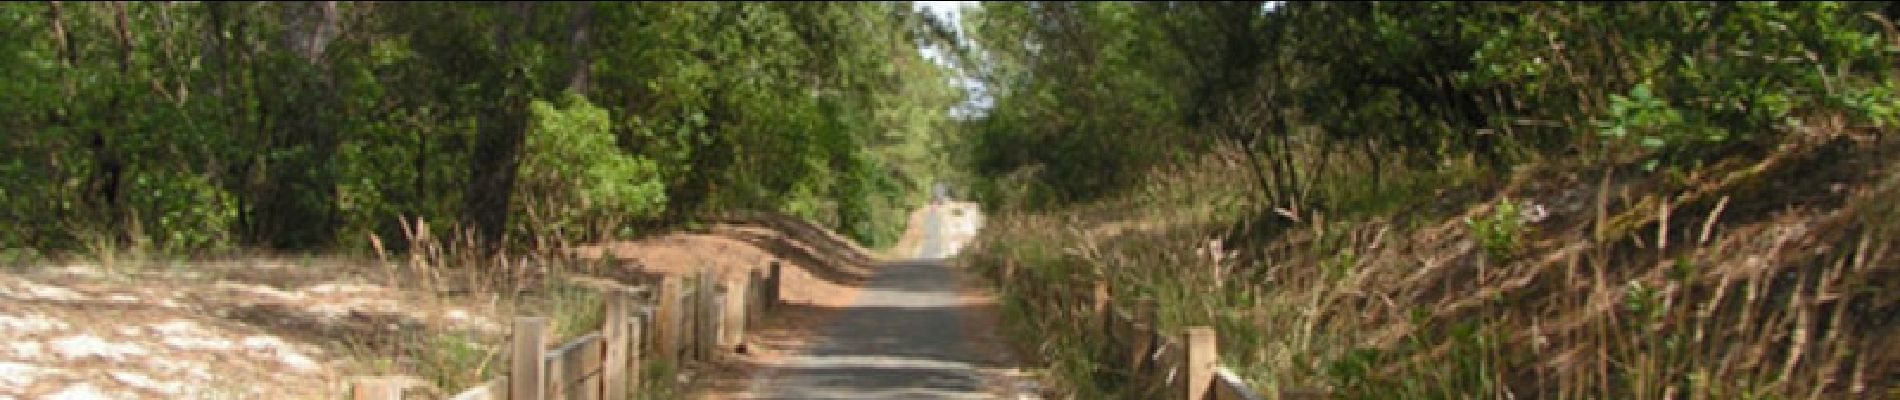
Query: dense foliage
point(1449, 200)
point(298, 125)
point(1090, 94)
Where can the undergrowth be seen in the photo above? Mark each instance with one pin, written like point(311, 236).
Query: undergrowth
point(1740, 280)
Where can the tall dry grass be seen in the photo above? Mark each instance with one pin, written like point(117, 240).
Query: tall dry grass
point(1620, 285)
point(444, 271)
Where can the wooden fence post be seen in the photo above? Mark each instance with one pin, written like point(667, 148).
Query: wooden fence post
point(527, 378)
point(1101, 300)
point(376, 388)
point(667, 329)
point(613, 369)
point(704, 315)
point(636, 359)
point(1198, 362)
point(755, 297)
point(772, 282)
point(732, 333)
point(1144, 333)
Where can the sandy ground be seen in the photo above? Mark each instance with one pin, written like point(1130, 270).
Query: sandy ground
point(295, 328)
point(216, 330)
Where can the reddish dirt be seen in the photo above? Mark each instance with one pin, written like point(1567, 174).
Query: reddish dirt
point(822, 272)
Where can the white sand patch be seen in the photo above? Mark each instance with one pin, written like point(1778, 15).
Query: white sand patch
point(30, 290)
point(261, 291)
point(16, 376)
point(290, 357)
point(121, 298)
point(30, 323)
point(26, 350)
point(176, 327)
point(329, 311)
point(87, 271)
point(84, 346)
point(82, 391)
point(197, 371)
point(339, 308)
point(373, 304)
point(131, 331)
point(198, 343)
point(264, 343)
point(142, 381)
point(463, 319)
point(297, 361)
point(330, 288)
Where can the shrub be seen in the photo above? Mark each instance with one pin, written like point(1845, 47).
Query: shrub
point(1501, 232)
point(575, 178)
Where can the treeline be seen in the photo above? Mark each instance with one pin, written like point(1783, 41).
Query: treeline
point(1091, 94)
point(189, 126)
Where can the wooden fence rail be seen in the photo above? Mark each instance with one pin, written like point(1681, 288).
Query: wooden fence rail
point(684, 323)
point(697, 322)
point(1178, 366)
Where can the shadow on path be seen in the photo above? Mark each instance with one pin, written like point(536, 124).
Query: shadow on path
point(902, 339)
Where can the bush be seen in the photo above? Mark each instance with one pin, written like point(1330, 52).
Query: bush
point(1501, 232)
point(575, 179)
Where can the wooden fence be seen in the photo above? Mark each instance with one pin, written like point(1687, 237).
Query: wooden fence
point(679, 323)
point(684, 323)
point(1183, 365)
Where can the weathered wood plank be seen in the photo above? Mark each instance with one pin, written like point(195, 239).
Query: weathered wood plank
point(573, 365)
point(667, 327)
point(755, 297)
point(1198, 361)
point(733, 320)
point(773, 279)
point(636, 359)
point(588, 364)
point(705, 316)
point(614, 326)
point(528, 373)
point(1145, 348)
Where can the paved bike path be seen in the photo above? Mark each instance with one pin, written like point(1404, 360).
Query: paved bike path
point(902, 338)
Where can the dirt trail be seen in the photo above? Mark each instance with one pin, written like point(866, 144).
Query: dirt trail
point(914, 331)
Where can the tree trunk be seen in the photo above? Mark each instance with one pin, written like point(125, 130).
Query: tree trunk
point(298, 206)
point(1373, 159)
point(492, 171)
point(502, 129)
point(581, 21)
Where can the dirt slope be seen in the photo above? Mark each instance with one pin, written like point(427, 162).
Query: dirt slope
point(298, 328)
